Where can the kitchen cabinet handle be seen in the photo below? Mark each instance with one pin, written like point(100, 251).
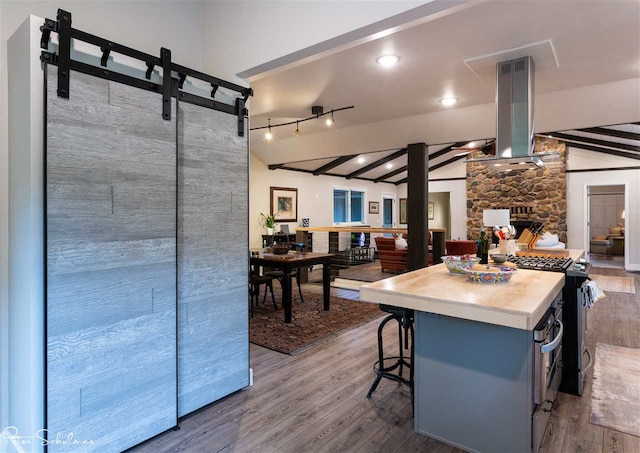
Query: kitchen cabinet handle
point(548, 347)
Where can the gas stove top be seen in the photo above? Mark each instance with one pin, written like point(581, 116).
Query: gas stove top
point(553, 264)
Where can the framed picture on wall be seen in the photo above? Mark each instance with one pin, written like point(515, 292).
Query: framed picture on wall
point(374, 207)
point(402, 212)
point(284, 204)
point(430, 207)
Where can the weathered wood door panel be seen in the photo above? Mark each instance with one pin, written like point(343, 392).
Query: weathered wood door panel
point(213, 243)
point(111, 265)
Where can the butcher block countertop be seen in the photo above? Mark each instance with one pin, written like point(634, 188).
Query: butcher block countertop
point(519, 303)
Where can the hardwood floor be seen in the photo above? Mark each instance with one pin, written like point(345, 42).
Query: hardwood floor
point(614, 320)
point(315, 401)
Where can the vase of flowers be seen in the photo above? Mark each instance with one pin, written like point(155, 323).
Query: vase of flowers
point(268, 222)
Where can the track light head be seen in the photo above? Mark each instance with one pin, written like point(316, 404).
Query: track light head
point(269, 135)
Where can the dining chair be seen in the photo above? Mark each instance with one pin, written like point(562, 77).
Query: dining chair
point(255, 281)
point(295, 274)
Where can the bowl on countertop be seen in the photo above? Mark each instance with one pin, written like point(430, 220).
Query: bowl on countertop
point(457, 264)
point(497, 258)
point(490, 274)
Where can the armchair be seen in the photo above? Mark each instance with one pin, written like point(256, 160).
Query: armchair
point(391, 258)
point(461, 247)
point(613, 244)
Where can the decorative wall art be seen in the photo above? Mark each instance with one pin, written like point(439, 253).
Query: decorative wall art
point(430, 208)
point(374, 207)
point(403, 210)
point(284, 204)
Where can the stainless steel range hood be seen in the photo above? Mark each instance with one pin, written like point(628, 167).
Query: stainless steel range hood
point(515, 136)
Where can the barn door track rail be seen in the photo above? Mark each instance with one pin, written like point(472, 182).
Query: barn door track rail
point(170, 87)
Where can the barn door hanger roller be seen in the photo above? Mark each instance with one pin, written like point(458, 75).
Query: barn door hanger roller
point(170, 87)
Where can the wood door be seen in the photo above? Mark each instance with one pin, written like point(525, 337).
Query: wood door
point(111, 264)
point(213, 248)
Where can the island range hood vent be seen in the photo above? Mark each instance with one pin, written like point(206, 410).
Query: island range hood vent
point(515, 136)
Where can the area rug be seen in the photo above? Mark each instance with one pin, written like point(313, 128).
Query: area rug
point(614, 284)
point(615, 395)
point(311, 324)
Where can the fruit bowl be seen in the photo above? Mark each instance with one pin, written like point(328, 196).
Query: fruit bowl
point(457, 264)
point(489, 274)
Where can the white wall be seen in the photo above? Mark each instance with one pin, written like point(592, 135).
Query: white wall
point(244, 34)
point(142, 25)
point(315, 199)
point(577, 232)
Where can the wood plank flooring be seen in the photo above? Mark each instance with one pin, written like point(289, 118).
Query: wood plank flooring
point(315, 401)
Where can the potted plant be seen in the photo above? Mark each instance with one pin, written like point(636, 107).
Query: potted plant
point(268, 222)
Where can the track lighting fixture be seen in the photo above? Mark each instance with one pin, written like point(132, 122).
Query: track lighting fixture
point(269, 135)
point(317, 111)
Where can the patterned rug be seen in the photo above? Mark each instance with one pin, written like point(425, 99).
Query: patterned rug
point(311, 324)
point(615, 395)
point(614, 284)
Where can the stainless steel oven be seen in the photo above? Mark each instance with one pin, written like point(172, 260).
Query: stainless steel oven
point(547, 367)
point(547, 355)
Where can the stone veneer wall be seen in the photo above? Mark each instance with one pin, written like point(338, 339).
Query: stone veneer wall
point(540, 194)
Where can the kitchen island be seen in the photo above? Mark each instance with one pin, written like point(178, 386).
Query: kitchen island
point(474, 353)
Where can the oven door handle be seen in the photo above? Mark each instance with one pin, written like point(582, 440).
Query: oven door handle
point(548, 347)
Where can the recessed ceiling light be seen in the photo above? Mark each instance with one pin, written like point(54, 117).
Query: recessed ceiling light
point(387, 60)
point(448, 101)
point(389, 166)
point(360, 160)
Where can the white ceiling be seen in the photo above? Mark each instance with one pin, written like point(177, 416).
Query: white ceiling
point(579, 43)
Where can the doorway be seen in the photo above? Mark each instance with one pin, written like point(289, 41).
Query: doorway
point(388, 203)
point(606, 225)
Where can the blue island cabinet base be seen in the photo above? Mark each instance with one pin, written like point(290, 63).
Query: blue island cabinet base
point(473, 384)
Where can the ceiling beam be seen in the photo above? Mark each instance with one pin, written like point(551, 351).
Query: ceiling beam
point(436, 166)
point(611, 152)
point(611, 132)
point(333, 164)
point(391, 174)
point(377, 163)
point(446, 162)
point(444, 151)
point(276, 166)
point(594, 141)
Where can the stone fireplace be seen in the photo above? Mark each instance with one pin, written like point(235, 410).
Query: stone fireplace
point(531, 195)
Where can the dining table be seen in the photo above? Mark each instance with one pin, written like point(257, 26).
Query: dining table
point(288, 264)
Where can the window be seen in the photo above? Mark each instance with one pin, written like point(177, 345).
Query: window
point(348, 206)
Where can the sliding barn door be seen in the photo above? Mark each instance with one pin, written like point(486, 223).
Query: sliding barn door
point(111, 265)
point(213, 244)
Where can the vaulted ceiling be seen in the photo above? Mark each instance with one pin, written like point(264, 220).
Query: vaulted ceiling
point(390, 166)
point(574, 44)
